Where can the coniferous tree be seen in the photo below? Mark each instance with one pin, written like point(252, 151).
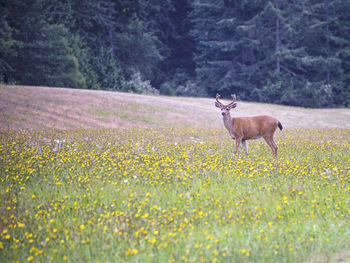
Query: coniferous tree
point(8, 46)
point(43, 54)
point(272, 38)
point(219, 58)
point(341, 23)
point(289, 52)
point(178, 65)
point(274, 51)
point(93, 22)
point(325, 40)
point(61, 12)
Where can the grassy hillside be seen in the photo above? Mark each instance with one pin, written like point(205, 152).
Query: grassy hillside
point(150, 193)
point(24, 107)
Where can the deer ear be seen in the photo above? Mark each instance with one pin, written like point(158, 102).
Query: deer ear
point(217, 104)
point(233, 105)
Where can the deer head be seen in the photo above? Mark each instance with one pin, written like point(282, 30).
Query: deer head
point(225, 109)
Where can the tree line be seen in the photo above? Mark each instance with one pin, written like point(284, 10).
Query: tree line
point(292, 52)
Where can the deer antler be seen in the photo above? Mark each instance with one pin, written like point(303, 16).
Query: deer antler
point(233, 99)
point(217, 98)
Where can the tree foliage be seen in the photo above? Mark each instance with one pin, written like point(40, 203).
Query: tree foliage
point(287, 52)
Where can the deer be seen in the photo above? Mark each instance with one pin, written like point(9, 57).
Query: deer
point(242, 129)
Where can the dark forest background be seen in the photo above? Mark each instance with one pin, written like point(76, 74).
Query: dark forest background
point(292, 52)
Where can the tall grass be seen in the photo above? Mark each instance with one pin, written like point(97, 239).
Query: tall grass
point(172, 195)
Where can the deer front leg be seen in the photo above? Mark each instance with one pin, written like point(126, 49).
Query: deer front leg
point(238, 142)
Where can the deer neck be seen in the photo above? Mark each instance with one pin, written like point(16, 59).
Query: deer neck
point(228, 122)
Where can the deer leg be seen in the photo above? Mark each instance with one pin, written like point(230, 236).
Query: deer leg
point(238, 142)
point(245, 146)
point(272, 145)
point(275, 146)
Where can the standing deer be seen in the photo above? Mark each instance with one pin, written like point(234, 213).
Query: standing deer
point(242, 129)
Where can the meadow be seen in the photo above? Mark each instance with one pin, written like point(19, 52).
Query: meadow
point(173, 195)
point(134, 178)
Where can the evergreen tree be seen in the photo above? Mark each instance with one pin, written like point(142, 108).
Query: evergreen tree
point(219, 59)
point(288, 52)
point(136, 44)
point(110, 77)
point(51, 56)
point(274, 51)
point(61, 12)
point(272, 37)
point(341, 23)
point(8, 46)
point(170, 25)
point(93, 24)
point(326, 41)
point(136, 50)
point(43, 55)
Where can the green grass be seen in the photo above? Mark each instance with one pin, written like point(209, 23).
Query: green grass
point(138, 113)
point(173, 195)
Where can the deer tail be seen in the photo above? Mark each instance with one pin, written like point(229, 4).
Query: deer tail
point(280, 125)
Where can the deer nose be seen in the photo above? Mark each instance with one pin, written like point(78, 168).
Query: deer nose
point(223, 113)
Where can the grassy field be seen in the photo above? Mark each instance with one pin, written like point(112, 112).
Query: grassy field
point(59, 108)
point(165, 190)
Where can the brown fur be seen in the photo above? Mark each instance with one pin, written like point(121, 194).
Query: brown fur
point(247, 128)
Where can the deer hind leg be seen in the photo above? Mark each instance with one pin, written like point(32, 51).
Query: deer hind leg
point(271, 144)
point(275, 146)
point(245, 146)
